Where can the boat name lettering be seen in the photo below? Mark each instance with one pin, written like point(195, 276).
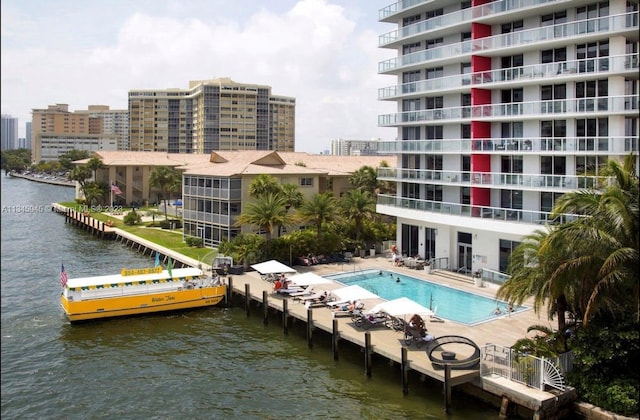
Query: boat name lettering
point(157, 299)
point(140, 271)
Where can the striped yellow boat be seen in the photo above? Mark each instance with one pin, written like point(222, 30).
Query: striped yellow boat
point(139, 291)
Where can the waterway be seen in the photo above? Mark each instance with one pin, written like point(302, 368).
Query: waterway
point(203, 364)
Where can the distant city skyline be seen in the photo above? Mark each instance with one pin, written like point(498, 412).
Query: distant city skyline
point(324, 53)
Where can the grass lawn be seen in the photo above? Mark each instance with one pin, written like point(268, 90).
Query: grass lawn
point(171, 239)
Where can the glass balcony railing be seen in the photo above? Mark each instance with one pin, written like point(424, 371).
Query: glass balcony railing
point(492, 179)
point(613, 65)
point(611, 145)
point(467, 210)
point(458, 17)
point(597, 26)
point(607, 105)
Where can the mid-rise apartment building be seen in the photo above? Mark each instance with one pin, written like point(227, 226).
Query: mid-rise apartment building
point(56, 130)
point(210, 115)
point(502, 107)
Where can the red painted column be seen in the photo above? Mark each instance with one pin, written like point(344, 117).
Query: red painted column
point(480, 130)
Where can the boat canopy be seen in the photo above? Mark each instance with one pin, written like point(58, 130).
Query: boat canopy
point(119, 280)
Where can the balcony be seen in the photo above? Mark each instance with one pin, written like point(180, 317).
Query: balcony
point(527, 40)
point(530, 145)
point(626, 105)
point(492, 79)
point(397, 206)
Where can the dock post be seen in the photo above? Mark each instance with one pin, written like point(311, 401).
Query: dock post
point(310, 327)
point(367, 354)
point(265, 307)
point(285, 316)
point(334, 339)
point(404, 369)
point(229, 291)
point(247, 298)
point(447, 388)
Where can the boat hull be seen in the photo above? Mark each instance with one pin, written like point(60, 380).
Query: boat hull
point(110, 307)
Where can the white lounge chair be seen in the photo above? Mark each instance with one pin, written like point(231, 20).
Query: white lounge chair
point(306, 292)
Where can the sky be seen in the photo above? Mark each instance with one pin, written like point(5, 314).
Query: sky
point(324, 53)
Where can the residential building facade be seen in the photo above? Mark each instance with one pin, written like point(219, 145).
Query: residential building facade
point(56, 130)
point(502, 107)
point(215, 186)
point(345, 147)
point(210, 115)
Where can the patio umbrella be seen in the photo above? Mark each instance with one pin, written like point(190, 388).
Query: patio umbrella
point(307, 279)
point(401, 307)
point(272, 267)
point(354, 292)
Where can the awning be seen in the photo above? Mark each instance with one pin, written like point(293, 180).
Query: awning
point(309, 278)
point(400, 307)
point(272, 267)
point(354, 292)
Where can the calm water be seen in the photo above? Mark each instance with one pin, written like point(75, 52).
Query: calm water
point(204, 364)
point(449, 303)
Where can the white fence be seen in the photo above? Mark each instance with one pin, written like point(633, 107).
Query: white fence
point(535, 372)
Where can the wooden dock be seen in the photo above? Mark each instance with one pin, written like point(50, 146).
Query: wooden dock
point(387, 343)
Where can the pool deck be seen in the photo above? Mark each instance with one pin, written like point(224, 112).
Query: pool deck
point(504, 330)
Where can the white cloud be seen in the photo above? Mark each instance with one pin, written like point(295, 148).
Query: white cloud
point(313, 50)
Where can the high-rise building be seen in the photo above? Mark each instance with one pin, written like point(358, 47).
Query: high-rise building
point(56, 130)
point(9, 132)
point(211, 115)
point(502, 107)
point(344, 147)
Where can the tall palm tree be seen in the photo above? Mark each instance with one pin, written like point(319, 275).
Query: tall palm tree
point(607, 235)
point(320, 209)
point(588, 264)
point(267, 213)
point(358, 205)
point(164, 178)
point(264, 184)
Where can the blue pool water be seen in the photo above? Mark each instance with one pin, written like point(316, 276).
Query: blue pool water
point(448, 303)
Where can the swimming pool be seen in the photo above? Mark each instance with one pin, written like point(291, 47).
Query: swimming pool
point(447, 302)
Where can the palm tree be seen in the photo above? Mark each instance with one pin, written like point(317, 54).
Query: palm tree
point(365, 178)
point(292, 197)
point(80, 174)
point(267, 213)
point(607, 237)
point(94, 164)
point(264, 184)
point(358, 205)
point(164, 179)
point(94, 193)
point(588, 264)
point(320, 209)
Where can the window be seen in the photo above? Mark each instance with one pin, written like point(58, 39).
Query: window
point(556, 20)
point(409, 80)
point(511, 99)
point(553, 98)
point(410, 48)
point(434, 132)
point(593, 56)
point(306, 182)
point(506, 249)
point(512, 66)
point(434, 43)
point(434, 73)
point(411, 20)
point(589, 14)
point(592, 94)
point(465, 101)
point(592, 134)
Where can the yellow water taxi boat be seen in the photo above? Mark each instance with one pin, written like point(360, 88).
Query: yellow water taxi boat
point(139, 291)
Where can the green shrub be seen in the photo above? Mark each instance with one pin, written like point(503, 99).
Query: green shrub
point(132, 218)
